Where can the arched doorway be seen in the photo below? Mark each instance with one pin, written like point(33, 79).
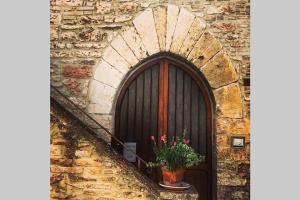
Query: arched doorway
point(165, 94)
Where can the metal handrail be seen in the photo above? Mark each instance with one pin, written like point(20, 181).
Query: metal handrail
point(102, 127)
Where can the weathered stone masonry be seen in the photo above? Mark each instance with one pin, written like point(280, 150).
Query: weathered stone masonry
point(83, 167)
point(93, 46)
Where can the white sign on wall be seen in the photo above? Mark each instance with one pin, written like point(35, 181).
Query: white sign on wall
point(238, 141)
point(127, 154)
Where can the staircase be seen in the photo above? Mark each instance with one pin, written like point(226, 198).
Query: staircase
point(84, 166)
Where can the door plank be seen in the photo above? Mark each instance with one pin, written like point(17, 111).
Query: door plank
point(123, 118)
point(146, 113)
point(154, 116)
point(172, 103)
point(194, 116)
point(163, 100)
point(154, 103)
point(131, 112)
point(179, 102)
point(139, 114)
point(187, 105)
point(202, 126)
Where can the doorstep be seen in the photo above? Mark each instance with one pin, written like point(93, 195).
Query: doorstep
point(190, 194)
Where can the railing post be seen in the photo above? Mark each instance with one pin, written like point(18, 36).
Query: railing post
point(139, 164)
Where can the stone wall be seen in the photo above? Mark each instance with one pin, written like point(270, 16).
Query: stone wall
point(83, 167)
point(81, 31)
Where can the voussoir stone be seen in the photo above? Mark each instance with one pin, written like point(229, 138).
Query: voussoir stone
point(219, 71)
point(193, 35)
point(172, 15)
point(101, 97)
point(204, 41)
point(121, 47)
point(229, 101)
point(160, 18)
point(145, 27)
point(208, 53)
point(133, 40)
point(184, 22)
point(107, 74)
point(116, 60)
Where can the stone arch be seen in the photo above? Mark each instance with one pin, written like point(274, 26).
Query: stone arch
point(166, 29)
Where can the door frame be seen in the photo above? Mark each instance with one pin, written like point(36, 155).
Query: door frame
point(204, 87)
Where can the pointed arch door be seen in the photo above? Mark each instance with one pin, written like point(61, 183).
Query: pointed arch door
point(166, 96)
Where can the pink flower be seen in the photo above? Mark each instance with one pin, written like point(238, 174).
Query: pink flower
point(163, 138)
point(152, 138)
point(174, 143)
point(186, 141)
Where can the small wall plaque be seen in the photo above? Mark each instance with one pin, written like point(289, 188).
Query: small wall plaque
point(127, 154)
point(237, 141)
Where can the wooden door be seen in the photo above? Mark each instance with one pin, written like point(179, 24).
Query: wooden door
point(164, 97)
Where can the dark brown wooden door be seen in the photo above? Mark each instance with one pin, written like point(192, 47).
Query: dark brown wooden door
point(164, 98)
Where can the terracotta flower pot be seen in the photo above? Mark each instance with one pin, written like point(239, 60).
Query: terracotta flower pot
point(172, 177)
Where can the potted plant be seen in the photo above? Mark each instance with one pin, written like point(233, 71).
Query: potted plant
point(174, 158)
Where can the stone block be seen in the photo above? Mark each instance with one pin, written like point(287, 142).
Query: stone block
point(107, 74)
point(232, 126)
point(94, 170)
point(240, 195)
point(103, 7)
point(214, 10)
point(87, 53)
point(71, 27)
point(208, 53)
point(133, 40)
point(127, 7)
point(219, 71)
point(109, 18)
point(193, 35)
point(160, 18)
point(101, 97)
point(89, 45)
point(145, 26)
point(69, 35)
point(55, 18)
point(230, 180)
point(172, 15)
point(123, 18)
point(184, 22)
point(61, 54)
point(224, 27)
point(59, 141)
point(70, 170)
point(77, 72)
point(204, 41)
point(113, 58)
point(229, 101)
point(109, 178)
point(72, 85)
point(58, 160)
point(82, 153)
point(53, 33)
point(98, 36)
point(85, 34)
point(223, 140)
point(56, 150)
point(121, 47)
